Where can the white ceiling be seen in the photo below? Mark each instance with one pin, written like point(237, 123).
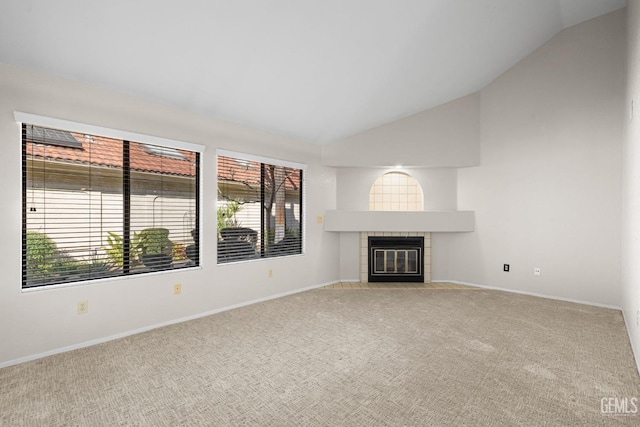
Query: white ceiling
point(318, 70)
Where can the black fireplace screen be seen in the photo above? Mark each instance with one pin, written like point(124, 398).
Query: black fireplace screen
point(396, 259)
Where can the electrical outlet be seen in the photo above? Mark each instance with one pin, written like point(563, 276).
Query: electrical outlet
point(505, 267)
point(83, 307)
point(270, 273)
point(177, 289)
point(536, 271)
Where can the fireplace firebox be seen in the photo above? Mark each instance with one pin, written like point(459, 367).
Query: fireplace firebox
point(396, 259)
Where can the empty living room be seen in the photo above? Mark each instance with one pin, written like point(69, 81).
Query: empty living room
point(426, 212)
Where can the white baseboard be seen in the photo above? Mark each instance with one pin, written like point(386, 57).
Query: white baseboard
point(156, 326)
point(533, 294)
point(280, 295)
point(636, 355)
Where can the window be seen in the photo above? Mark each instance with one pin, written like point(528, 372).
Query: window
point(259, 208)
point(96, 206)
point(395, 191)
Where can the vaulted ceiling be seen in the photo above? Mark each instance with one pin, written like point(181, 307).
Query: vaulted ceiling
point(317, 70)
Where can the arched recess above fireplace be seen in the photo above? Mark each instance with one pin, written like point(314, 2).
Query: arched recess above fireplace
point(396, 191)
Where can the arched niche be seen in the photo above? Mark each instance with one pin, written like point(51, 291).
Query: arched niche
point(396, 191)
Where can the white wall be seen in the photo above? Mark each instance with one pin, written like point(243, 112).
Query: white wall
point(439, 187)
point(547, 136)
point(631, 182)
point(37, 322)
point(547, 191)
point(443, 136)
point(428, 145)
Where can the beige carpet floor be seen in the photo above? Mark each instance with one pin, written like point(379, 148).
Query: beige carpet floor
point(345, 357)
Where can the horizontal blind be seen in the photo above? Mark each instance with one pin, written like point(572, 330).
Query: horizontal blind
point(163, 215)
point(259, 209)
point(77, 218)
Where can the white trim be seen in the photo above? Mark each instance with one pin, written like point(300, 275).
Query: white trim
point(303, 214)
point(70, 126)
point(533, 294)
point(259, 259)
point(268, 298)
point(636, 355)
point(276, 162)
point(260, 159)
point(102, 280)
point(157, 325)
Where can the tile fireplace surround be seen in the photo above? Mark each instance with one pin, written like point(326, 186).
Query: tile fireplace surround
point(364, 251)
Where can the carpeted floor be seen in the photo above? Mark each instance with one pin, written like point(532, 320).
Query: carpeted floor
point(345, 357)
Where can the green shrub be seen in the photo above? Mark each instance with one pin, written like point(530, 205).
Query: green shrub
point(115, 252)
point(42, 255)
point(227, 215)
point(155, 241)
point(47, 263)
point(114, 249)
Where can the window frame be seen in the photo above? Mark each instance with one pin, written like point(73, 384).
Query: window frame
point(126, 136)
point(303, 199)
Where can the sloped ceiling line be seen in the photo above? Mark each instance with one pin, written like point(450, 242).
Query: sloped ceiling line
point(314, 70)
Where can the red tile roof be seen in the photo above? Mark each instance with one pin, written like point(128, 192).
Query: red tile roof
point(247, 172)
point(101, 151)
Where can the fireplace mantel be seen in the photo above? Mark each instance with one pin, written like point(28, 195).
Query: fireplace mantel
point(428, 221)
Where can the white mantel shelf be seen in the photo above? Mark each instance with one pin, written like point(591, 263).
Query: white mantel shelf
point(430, 221)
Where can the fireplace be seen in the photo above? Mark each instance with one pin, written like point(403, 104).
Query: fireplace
point(364, 250)
point(396, 259)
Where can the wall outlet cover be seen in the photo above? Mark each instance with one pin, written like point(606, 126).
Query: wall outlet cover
point(83, 307)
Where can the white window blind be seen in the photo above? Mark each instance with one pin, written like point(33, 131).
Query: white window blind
point(96, 206)
point(259, 209)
